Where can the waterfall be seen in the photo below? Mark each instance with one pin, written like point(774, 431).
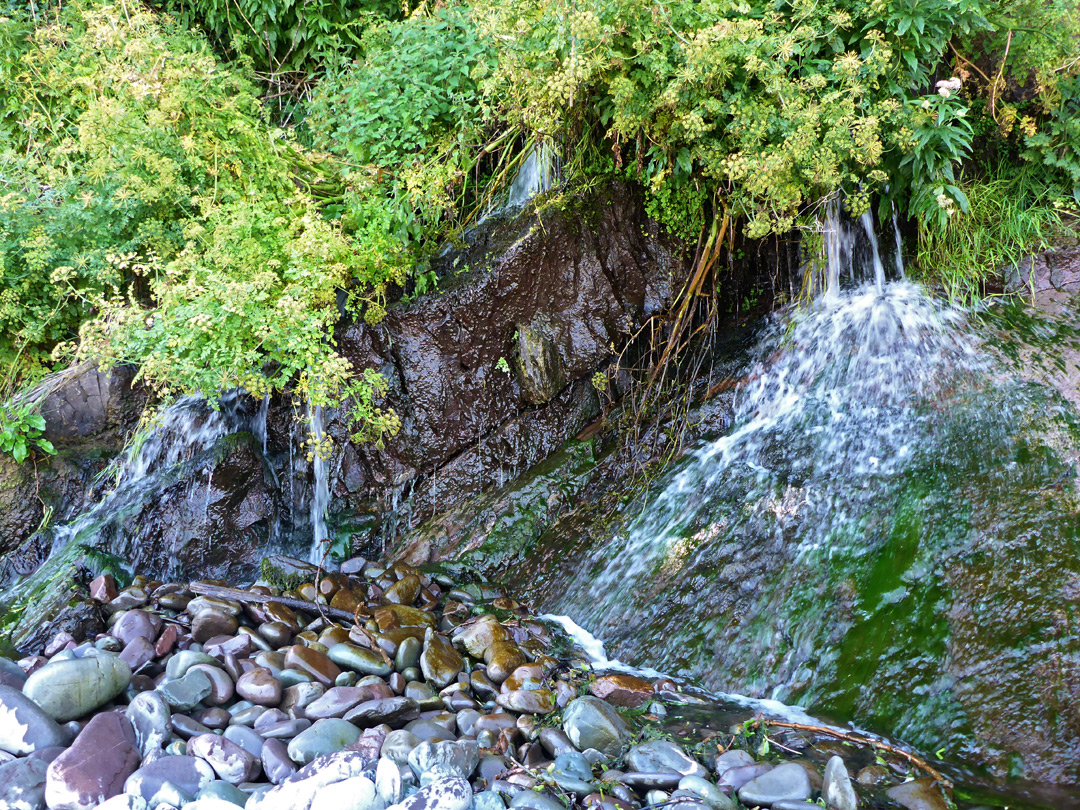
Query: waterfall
point(837, 399)
point(867, 220)
point(183, 431)
point(320, 495)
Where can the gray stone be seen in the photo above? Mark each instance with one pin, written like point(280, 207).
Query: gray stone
point(451, 793)
point(659, 756)
point(837, 790)
point(488, 800)
point(187, 692)
point(297, 791)
point(24, 726)
point(709, 793)
point(358, 659)
point(398, 745)
point(11, 674)
point(388, 781)
point(69, 689)
point(246, 739)
point(572, 773)
point(591, 723)
point(536, 801)
point(230, 762)
point(96, 766)
point(22, 784)
point(732, 759)
point(149, 715)
point(784, 782)
point(170, 778)
point(184, 660)
point(125, 801)
point(456, 757)
point(354, 793)
point(324, 737)
point(223, 791)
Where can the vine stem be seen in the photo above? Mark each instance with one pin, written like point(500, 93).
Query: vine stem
point(858, 739)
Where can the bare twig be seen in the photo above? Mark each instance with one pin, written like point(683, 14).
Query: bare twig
point(247, 597)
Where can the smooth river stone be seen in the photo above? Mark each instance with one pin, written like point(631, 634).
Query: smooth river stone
point(440, 662)
point(137, 653)
point(230, 762)
point(787, 782)
point(221, 685)
point(184, 660)
point(324, 737)
point(96, 766)
point(355, 793)
point(150, 717)
point(275, 761)
point(662, 756)
point(404, 591)
point(24, 726)
point(453, 793)
point(628, 691)
point(394, 711)
point(211, 622)
point(528, 701)
point(277, 633)
point(389, 617)
point(337, 700)
point(315, 664)
point(918, 794)
point(456, 757)
point(591, 723)
point(69, 689)
point(22, 784)
point(167, 775)
point(502, 658)
point(837, 789)
point(260, 687)
point(368, 662)
point(476, 636)
point(11, 674)
point(136, 624)
point(185, 693)
point(297, 791)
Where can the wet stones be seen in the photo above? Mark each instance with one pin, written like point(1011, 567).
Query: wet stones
point(170, 779)
point(230, 762)
point(394, 711)
point(260, 687)
point(22, 784)
point(627, 691)
point(453, 793)
point(661, 756)
point(351, 657)
point(836, 788)
point(787, 782)
point(439, 662)
point(324, 737)
point(918, 794)
point(591, 723)
point(24, 726)
point(95, 767)
point(74, 687)
point(313, 663)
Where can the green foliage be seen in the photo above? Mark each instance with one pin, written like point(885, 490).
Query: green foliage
point(151, 215)
point(286, 36)
point(1011, 216)
point(22, 431)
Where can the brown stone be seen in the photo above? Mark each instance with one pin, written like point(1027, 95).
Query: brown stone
point(404, 591)
point(95, 767)
point(627, 691)
point(312, 662)
point(259, 686)
point(103, 589)
point(167, 640)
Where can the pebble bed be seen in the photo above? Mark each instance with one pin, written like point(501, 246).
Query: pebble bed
point(436, 696)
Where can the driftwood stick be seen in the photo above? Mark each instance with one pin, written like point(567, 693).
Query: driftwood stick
point(247, 597)
point(858, 740)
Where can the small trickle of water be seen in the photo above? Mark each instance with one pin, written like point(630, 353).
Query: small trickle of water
point(899, 256)
point(536, 175)
point(320, 496)
point(183, 431)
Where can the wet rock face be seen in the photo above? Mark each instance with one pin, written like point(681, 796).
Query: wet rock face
point(547, 293)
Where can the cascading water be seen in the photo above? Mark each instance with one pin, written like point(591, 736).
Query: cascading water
point(829, 549)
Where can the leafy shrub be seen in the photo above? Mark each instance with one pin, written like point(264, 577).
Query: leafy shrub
point(286, 36)
point(149, 209)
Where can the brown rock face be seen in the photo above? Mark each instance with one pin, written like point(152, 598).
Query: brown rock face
point(94, 769)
